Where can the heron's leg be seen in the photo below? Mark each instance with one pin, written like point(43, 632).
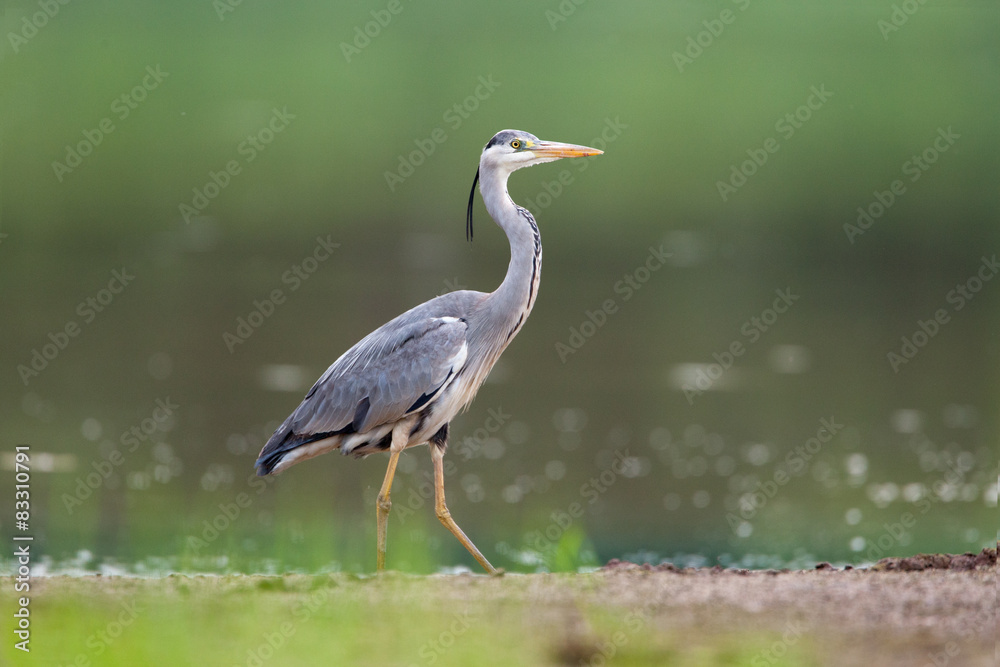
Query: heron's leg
point(400, 435)
point(437, 455)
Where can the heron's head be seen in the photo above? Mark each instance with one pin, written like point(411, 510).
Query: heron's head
point(510, 150)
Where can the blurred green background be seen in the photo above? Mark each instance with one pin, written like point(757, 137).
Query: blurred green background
point(566, 459)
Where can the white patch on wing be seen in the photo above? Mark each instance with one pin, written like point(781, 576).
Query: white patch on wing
point(458, 360)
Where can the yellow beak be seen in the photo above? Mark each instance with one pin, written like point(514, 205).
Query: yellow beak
point(556, 149)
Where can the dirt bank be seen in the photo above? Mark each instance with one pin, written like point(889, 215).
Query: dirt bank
point(936, 610)
point(929, 609)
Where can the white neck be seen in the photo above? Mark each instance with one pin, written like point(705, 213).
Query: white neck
point(508, 307)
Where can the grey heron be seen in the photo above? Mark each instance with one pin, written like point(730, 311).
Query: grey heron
point(402, 384)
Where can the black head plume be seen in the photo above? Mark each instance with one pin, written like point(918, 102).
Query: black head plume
point(468, 215)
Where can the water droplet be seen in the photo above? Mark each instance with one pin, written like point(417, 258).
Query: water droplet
point(493, 448)
point(789, 359)
point(163, 452)
point(569, 420)
point(969, 492)
point(960, 416)
point(160, 366)
point(555, 470)
point(913, 492)
point(237, 444)
point(659, 438)
point(758, 454)
point(906, 420)
point(511, 494)
point(856, 465)
point(725, 465)
point(714, 444)
point(91, 429)
point(990, 495)
point(407, 464)
point(883, 494)
point(947, 492)
point(525, 483)
point(284, 377)
point(161, 474)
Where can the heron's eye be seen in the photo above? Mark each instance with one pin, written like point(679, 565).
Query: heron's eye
point(515, 144)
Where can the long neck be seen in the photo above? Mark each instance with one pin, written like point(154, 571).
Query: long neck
point(508, 307)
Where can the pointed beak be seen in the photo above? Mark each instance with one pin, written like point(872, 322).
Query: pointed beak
point(554, 149)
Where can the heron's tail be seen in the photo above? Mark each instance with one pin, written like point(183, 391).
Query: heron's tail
point(274, 450)
point(285, 448)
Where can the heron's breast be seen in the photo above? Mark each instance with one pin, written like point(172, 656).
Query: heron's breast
point(458, 394)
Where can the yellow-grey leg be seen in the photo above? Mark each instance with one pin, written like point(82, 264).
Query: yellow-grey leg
point(437, 455)
point(400, 435)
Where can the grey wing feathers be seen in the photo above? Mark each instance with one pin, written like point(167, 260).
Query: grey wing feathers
point(396, 370)
point(384, 376)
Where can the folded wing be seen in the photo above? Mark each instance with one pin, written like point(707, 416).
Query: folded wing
point(397, 370)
